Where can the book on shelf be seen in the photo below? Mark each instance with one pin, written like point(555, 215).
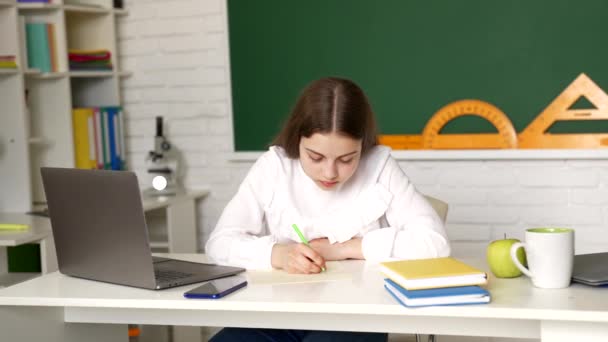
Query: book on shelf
point(50, 31)
point(459, 295)
point(8, 62)
point(432, 273)
point(22, 42)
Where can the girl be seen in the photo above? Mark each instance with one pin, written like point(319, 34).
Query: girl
point(326, 173)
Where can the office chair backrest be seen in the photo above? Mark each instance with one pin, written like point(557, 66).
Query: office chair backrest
point(440, 207)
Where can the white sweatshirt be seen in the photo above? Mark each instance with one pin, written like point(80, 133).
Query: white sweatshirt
point(378, 203)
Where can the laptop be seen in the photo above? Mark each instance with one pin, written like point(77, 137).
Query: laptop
point(591, 269)
point(100, 232)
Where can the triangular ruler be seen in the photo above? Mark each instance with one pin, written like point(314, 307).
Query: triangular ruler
point(536, 135)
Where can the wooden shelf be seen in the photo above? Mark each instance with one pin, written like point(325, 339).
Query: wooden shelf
point(121, 12)
point(38, 106)
point(38, 7)
point(9, 71)
point(39, 141)
point(86, 9)
point(47, 75)
point(124, 73)
point(31, 72)
point(108, 73)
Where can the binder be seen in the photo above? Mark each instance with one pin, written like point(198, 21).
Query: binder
point(82, 122)
point(105, 140)
point(91, 138)
point(432, 273)
point(98, 138)
point(442, 296)
point(113, 138)
point(121, 138)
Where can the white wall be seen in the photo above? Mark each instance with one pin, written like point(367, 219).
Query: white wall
point(178, 53)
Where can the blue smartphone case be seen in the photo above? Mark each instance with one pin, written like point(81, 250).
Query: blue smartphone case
point(195, 293)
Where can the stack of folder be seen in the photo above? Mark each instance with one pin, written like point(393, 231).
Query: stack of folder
point(437, 281)
point(98, 138)
point(7, 62)
point(90, 60)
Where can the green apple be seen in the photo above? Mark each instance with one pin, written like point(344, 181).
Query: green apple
point(499, 258)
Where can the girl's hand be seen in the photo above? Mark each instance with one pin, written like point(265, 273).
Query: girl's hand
point(296, 258)
point(350, 249)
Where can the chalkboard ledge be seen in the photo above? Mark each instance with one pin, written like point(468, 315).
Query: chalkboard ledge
point(507, 154)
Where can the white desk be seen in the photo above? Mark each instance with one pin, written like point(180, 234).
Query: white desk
point(359, 304)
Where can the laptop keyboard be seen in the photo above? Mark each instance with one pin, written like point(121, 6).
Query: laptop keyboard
point(169, 275)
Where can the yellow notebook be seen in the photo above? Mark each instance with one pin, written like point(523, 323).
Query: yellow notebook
point(432, 273)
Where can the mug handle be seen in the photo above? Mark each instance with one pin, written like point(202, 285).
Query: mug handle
point(521, 267)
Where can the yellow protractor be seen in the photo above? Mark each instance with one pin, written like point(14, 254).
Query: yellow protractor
point(506, 137)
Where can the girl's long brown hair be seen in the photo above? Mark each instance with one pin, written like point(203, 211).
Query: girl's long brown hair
point(329, 105)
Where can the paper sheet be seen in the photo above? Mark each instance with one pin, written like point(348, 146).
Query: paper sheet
point(333, 272)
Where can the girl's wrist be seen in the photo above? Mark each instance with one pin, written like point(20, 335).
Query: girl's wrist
point(352, 249)
point(276, 257)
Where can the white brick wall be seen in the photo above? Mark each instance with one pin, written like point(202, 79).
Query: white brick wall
point(177, 51)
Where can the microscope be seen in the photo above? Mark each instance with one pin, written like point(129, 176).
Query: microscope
point(162, 165)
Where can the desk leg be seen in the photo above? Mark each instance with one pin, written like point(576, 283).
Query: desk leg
point(181, 227)
point(48, 256)
point(554, 331)
point(3, 260)
point(25, 323)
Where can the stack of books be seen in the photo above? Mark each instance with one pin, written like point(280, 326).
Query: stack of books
point(90, 60)
point(41, 47)
point(437, 281)
point(7, 62)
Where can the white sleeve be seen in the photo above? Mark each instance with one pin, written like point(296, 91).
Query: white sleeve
point(240, 237)
point(415, 230)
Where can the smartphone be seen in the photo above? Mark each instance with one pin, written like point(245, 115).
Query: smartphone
point(217, 288)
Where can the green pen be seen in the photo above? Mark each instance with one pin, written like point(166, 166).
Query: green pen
point(303, 239)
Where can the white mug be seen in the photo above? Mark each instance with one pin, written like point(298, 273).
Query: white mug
point(550, 255)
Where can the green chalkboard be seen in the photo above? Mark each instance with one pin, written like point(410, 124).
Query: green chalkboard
point(412, 57)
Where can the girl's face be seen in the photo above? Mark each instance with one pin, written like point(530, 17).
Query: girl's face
point(329, 159)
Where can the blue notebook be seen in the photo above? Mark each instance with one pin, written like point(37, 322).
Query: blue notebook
point(441, 296)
